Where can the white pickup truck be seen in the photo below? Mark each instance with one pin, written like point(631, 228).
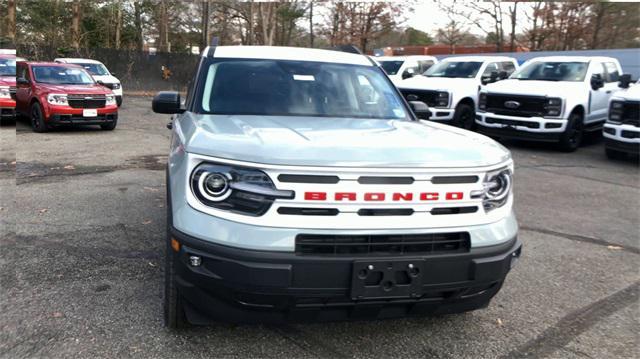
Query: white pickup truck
point(554, 99)
point(622, 130)
point(450, 88)
point(399, 68)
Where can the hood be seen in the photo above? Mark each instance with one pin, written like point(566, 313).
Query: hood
point(436, 83)
point(107, 79)
point(7, 80)
point(536, 88)
point(347, 142)
point(77, 89)
point(631, 94)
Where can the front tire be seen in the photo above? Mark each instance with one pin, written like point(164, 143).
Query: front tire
point(571, 138)
point(109, 126)
point(174, 316)
point(37, 119)
point(464, 116)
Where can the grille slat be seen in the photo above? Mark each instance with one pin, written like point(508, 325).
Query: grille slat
point(631, 113)
point(87, 101)
point(530, 106)
point(376, 245)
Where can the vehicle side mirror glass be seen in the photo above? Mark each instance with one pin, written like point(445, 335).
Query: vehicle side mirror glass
point(596, 81)
point(167, 102)
point(408, 73)
point(420, 109)
point(502, 75)
point(625, 81)
point(494, 76)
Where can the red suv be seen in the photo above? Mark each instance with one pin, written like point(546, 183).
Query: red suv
point(52, 94)
point(7, 87)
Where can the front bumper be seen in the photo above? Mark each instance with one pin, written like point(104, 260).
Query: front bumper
point(73, 120)
point(623, 138)
point(526, 128)
point(7, 112)
point(240, 285)
point(441, 114)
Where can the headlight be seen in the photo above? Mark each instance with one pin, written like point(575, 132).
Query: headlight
point(115, 86)
point(497, 187)
point(111, 100)
point(235, 189)
point(553, 107)
point(4, 92)
point(482, 101)
point(616, 110)
point(442, 99)
point(58, 99)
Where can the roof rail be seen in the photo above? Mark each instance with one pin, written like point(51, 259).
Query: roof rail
point(352, 49)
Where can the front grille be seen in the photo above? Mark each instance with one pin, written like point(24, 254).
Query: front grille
point(512, 122)
point(426, 96)
point(381, 245)
point(631, 113)
point(86, 101)
point(12, 92)
point(529, 106)
point(630, 134)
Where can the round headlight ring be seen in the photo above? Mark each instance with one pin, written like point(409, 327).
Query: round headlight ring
point(501, 186)
point(214, 186)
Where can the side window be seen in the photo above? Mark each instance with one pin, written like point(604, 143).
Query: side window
point(508, 66)
point(424, 65)
point(611, 72)
point(491, 67)
point(598, 69)
point(23, 72)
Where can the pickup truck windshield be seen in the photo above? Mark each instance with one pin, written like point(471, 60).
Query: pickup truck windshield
point(391, 67)
point(552, 71)
point(298, 88)
point(7, 67)
point(95, 69)
point(459, 69)
point(59, 75)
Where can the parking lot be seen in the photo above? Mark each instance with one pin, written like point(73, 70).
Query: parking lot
point(82, 223)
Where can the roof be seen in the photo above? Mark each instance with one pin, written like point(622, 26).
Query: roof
point(478, 58)
point(44, 63)
point(74, 60)
point(572, 58)
point(403, 57)
point(288, 53)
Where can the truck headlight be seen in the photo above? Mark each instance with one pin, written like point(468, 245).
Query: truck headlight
point(553, 107)
point(5, 92)
point(497, 187)
point(115, 86)
point(58, 99)
point(482, 101)
point(616, 110)
point(235, 189)
point(110, 100)
point(442, 99)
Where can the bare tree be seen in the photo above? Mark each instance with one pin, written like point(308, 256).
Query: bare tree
point(513, 13)
point(75, 24)
point(118, 23)
point(11, 21)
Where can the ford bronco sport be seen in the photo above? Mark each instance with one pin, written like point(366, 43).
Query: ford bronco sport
point(7, 87)
point(301, 186)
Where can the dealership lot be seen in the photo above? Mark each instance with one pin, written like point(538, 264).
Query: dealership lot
point(82, 223)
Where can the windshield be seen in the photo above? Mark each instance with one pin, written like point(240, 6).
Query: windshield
point(461, 69)
point(391, 67)
point(552, 71)
point(7, 67)
point(299, 88)
point(59, 75)
point(95, 69)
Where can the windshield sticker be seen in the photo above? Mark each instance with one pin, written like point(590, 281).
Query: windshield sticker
point(304, 77)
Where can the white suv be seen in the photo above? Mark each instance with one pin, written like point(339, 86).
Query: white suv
point(100, 73)
point(553, 99)
point(622, 130)
point(450, 88)
point(399, 68)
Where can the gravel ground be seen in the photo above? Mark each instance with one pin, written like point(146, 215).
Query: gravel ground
point(82, 223)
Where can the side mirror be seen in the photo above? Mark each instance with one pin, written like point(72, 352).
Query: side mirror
point(420, 109)
point(99, 82)
point(167, 102)
point(502, 75)
point(625, 80)
point(408, 73)
point(596, 81)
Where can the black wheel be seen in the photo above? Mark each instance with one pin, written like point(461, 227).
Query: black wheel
point(614, 155)
point(572, 136)
point(37, 119)
point(109, 126)
point(119, 100)
point(464, 117)
point(174, 316)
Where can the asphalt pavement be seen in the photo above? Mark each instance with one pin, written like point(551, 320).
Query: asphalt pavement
point(82, 221)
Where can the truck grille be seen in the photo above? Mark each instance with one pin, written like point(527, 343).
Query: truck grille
point(631, 113)
point(426, 96)
point(87, 101)
point(529, 106)
point(381, 245)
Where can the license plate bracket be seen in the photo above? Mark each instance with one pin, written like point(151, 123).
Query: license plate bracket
point(386, 279)
point(90, 113)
